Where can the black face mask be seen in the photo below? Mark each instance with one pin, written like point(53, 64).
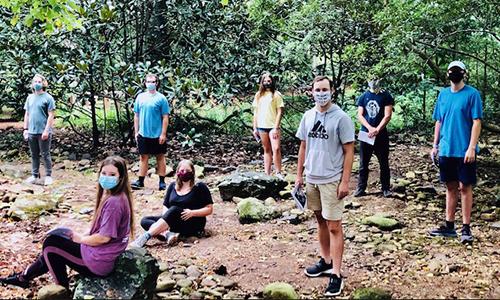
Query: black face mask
point(456, 76)
point(267, 85)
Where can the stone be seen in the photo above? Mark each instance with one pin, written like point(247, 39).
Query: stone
point(410, 175)
point(371, 294)
point(12, 171)
point(225, 282)
point(169, 172)
point(164, 283)
point(211, 292)
point(86, 156)
point(183, 283)
point(193, 271)
point(495, 225)
point(489, 217)
point(179, 276)
point(429, 189)
point(53, 292)
point(279, 290)
point(208, 282)
point(31, 206)
point(285, 194)
point(270, 202)
point(72, 156)
point(251, 210)
point(196, 295)
point(291, 178)
point(199, 171)
point(134, 277)
point(180, 270)
point(381, 222)
point(250, 184)
point(185, 262)
point(84, 163)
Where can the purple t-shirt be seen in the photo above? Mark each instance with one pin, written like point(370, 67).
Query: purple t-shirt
point(114, 222)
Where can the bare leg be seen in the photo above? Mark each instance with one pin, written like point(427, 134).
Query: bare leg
point(276, 147)
point(323, 237)
point(336, 244)
point(466, 197)
point(451, 200)
point(143, 169)
point(158, 227)
point(162, 167)
point(266, 144)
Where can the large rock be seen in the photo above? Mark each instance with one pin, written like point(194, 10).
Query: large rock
point(134, 277)
point(251, 210)
point(381, 222)
point(29, 205)
point(280, 290)
point(371, 294)
point(250, 184)
point(53, 292)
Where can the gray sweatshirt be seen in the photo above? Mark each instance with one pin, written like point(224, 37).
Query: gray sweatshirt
point(324, 134)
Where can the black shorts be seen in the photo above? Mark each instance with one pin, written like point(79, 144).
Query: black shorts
point(454, 169)
point(151, 146)
point(264, 130)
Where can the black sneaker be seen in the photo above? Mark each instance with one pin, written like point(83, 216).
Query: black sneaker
point(137, 185)
point(162, 186)
point(321, 267)
point(335, 286)
point(466, 237)
point(387, 193)
point(359, 192)
point(443, 230)
point(15, 280)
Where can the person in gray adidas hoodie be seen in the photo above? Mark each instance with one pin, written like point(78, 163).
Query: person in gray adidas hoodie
point(326, 154)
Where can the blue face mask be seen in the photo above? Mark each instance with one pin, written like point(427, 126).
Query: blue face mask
point(150, 86)
point(108, 182)
point(37, 86)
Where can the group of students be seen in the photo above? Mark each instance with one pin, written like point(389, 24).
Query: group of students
point(326, 154)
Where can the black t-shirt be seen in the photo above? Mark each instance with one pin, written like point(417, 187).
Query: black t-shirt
point(374, 106)
point(197, 198)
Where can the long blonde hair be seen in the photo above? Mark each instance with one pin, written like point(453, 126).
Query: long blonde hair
point(123, 186)
point(178, 182)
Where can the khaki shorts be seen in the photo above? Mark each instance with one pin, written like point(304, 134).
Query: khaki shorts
point(323, 197)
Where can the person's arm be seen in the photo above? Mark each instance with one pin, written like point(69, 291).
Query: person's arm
point(386, 119)
point(470, 155)
point(92, 240)
point(361, 118)
point(343, 188)
point(435, 146)
point(164, 126)
point(136, 125)
point(299, 181)
point(50, 123)
point(201, 212)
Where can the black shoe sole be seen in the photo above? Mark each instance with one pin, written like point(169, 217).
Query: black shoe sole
point(326, 272)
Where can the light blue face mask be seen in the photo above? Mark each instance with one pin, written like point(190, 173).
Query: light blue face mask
point(37, 86)
point(150, 86)
point(108, 182)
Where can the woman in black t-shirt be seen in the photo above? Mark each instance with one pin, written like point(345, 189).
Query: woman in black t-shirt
point(185, 208)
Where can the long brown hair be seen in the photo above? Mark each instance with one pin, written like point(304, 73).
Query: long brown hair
point(123, 186)
point(178, 182)
point(45, 83)
point(262, 89)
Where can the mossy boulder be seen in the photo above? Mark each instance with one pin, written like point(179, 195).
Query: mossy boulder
point(251, 210)
point(31, 206)
point(382, 222)
point(134, 277)
point(279, 290)
point(371, 294)
point(250, 184)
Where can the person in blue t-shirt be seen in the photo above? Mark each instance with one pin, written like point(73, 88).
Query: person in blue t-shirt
point(38, 122)
point(150, 127)
point(374, 113)
point(458, 113)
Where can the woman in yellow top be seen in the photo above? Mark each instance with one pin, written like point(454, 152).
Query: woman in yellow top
point(268, 110)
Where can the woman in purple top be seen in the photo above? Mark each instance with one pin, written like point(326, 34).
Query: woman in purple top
point(93, 254)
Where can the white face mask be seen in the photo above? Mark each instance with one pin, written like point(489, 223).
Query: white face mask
point(322, 98)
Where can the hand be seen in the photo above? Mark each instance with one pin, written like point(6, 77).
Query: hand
point(342, 190)
point(434, 152)
point(256, 134)
point(136, 136)
point(45, 135)
point(187, 214)
point(76, 237)
point(163, 139)
point(25, 135)
point(299, 182)
point(275, 133)
point(470, 155)
point(372, 132)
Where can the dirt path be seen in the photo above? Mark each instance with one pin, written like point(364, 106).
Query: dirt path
point(403, 261)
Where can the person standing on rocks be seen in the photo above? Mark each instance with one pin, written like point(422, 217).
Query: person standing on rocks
point(326, 154)
point(38, 121)
point(268, 110)
point(95, 253)
point(150, 127)
point(374, 113)
point(458, 113)
point(185, 208)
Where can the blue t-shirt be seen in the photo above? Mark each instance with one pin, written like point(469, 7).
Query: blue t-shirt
point(151, 108)
point(38, 107)
point(456, 111)
point(374, 107)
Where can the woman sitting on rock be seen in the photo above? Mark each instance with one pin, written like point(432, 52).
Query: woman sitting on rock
point(185, 208)
point(92, 254)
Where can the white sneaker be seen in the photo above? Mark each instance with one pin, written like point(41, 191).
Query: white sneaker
point(32, 179)
point(48, 180)
point(280, 176)
point(172, 238)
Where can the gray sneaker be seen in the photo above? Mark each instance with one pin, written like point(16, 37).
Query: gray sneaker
point(140, 241)
point(171, 237)
point(466, 237)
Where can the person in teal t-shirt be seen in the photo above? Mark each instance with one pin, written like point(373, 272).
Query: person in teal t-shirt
point(150, 127)
point(38, 120)
point(458, 113)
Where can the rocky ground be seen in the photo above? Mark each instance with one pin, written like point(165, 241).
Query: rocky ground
point(235, 260)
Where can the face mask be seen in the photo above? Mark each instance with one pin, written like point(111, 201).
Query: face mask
point(322, 98)
point(456, 76)
point(373, 85)
point(267, 85)
point(185, 176)
point(37, 86)
point(108, 182)
point(150, 86)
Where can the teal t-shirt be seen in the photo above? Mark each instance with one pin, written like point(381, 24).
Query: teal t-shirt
point(456, 112)
point(151, 108)
point(38, 107)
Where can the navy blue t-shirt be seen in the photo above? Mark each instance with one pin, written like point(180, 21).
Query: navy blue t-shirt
point(374, 106)
point(197, 198)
